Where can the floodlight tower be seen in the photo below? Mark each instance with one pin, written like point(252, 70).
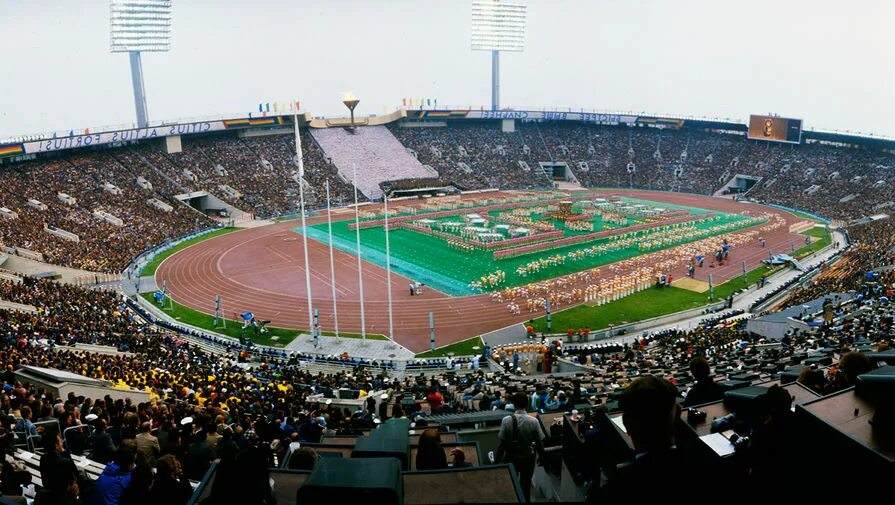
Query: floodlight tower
point(498, 25)
point(140, 26)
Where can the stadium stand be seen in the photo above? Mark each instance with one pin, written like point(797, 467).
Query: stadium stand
point(224, 421)
point(375, 152)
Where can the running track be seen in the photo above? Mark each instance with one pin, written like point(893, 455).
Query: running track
point(262, 270)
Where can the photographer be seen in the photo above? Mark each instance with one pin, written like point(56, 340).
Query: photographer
point(520, 440)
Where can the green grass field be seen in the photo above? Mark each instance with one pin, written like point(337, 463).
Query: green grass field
point(657, 302)
point(432, 261)
point(234, 328)
point(823, 240)
point(653, 302)
point(153, 265)
point(467, 347)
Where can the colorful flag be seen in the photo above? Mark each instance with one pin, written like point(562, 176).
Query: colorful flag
point(260, 107)
point(404, 102)
point(267, 107)
point(429, 102)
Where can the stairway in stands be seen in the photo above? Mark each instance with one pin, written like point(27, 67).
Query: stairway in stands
point(378, 155)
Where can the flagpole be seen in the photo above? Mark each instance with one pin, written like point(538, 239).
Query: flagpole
point(360, 275)
point(332, 267)
point(304, 227)
point(388, 270)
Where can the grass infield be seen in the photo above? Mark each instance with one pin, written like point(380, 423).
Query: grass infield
point(234, 328)
point(430, 260)
point(467, 347)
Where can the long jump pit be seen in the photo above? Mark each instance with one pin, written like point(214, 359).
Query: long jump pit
point(483, 261)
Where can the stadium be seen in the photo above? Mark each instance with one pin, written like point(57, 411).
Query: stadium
point(441, 304)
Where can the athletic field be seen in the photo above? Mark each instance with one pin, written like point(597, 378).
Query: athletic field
point(433, 261)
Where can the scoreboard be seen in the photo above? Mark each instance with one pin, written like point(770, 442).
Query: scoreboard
point(776, 129)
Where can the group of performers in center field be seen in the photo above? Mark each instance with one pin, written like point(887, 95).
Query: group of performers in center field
point(631, 275)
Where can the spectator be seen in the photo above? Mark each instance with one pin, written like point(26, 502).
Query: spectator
point(170, 487)
point(430, 455)
point(116, 477)
point(706, 389)
point(147, 443)
point(103, 448)
point(56, 468)
point(520, 441)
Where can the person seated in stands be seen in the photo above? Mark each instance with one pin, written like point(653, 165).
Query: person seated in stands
point(170, 486)
point(24, 425)
point(498, 403)
point(813, 379)
point(245, 478)
point(650, 411)
point(705, 389)
point(55, 468)
point(116, 476)
point(68, 494)
point(303, 459)
point(851, 365)
point(430, 455)
point(101, 441)
point(199, 456)
point(435, 399)
point(772, 446)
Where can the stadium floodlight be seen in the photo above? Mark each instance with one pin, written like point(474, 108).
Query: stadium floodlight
point(138, 26)
point(498, 25)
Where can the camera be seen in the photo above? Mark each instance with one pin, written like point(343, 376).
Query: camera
point(739, 443)
point(696, 416)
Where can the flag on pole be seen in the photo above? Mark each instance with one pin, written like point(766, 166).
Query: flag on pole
point(429, 102)
point(404, 102)
point(304, 226)
point(388, 269)
point(297, 105)
point(260, 107)
point(267, 107)
point(298, 153)
point(332, 268)
point(436, 103)
point(360, 275)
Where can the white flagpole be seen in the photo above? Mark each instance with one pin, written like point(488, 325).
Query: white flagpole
point(304, 227)
point(388, 270)
point(332, 267)
point(360, 274)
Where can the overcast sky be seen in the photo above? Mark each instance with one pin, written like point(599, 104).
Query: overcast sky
point(824, 61)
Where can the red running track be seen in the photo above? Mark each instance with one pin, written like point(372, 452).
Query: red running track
point(262, 270)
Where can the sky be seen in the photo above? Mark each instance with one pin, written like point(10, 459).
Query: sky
point(822, 61)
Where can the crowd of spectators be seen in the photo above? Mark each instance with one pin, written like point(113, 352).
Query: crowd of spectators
point(835, 181)
point(479, 155)
point(259, 174)
point(102, 246)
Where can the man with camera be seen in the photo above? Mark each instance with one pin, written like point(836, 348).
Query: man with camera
point(520, 441)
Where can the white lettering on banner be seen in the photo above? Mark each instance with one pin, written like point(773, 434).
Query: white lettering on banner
point(591, 117)
point(73, 142)
point(504, 114)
